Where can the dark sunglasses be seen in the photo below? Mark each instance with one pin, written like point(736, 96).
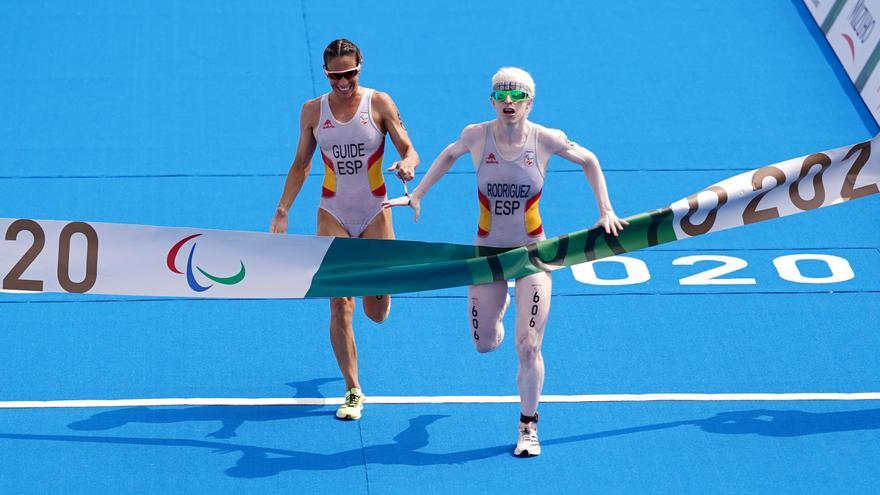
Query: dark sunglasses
point(347, 74)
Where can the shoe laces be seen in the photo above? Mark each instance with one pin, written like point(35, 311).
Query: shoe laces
point(528, 435)
point(351, 400)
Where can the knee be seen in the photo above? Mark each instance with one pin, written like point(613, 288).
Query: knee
point(377, 309)
point(528, 349)
point(377, 315)
point(341, 308)
point(483, 346)
point(488, 342)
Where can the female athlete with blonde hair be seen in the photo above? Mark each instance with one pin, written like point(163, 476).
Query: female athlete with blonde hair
point(510, 155)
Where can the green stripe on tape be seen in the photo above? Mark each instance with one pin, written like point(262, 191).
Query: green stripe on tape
point(356, 267)
point(832, 16)
point(868, 69)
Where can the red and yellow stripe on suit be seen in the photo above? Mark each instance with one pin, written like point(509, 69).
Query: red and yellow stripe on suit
point(485, 222)
point(374, 171)
point(534, 225)
point(328, 188)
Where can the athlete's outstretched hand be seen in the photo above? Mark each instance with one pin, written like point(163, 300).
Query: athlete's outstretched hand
point(405, 171)
point(279, 221)
point(611, 223)
point(410, 200)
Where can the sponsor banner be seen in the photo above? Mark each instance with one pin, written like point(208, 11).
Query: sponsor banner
point(853, 35)
point(850, 27)
point(103, 258)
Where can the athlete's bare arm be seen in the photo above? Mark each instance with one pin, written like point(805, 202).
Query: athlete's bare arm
point(470, 137)
point(557, 143)
point(302, 163)
point(390, 121)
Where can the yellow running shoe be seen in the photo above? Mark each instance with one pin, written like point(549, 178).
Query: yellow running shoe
point(352, 405)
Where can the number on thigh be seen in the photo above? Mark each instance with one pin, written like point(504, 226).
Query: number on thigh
point(486, 305)
point(533, 302)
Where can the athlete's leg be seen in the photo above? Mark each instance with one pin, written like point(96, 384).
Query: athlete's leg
point(532, 307)
point(377, 307)
point(486, 306)
point(341, 310)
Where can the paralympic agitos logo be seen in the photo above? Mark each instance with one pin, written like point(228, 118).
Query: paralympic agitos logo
point(190, 275)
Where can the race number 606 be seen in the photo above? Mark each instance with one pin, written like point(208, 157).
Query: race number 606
point(14, 281)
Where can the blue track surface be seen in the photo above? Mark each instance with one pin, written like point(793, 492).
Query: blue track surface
point(186, 115)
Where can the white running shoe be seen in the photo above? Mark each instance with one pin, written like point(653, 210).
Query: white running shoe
point(352, 405)
point(527, 445)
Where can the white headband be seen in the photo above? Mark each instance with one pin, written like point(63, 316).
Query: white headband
point(510, 86)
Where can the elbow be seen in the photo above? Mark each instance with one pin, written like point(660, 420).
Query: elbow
point(446, 160)
point(412, 155)
point(590, 163)
point(301, 168)
point(449, 155)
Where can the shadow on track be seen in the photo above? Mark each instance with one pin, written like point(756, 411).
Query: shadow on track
point(765, 422)
point(230, 417)
point(259, 462)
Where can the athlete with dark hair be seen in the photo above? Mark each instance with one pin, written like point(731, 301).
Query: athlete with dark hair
point(348, 124)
